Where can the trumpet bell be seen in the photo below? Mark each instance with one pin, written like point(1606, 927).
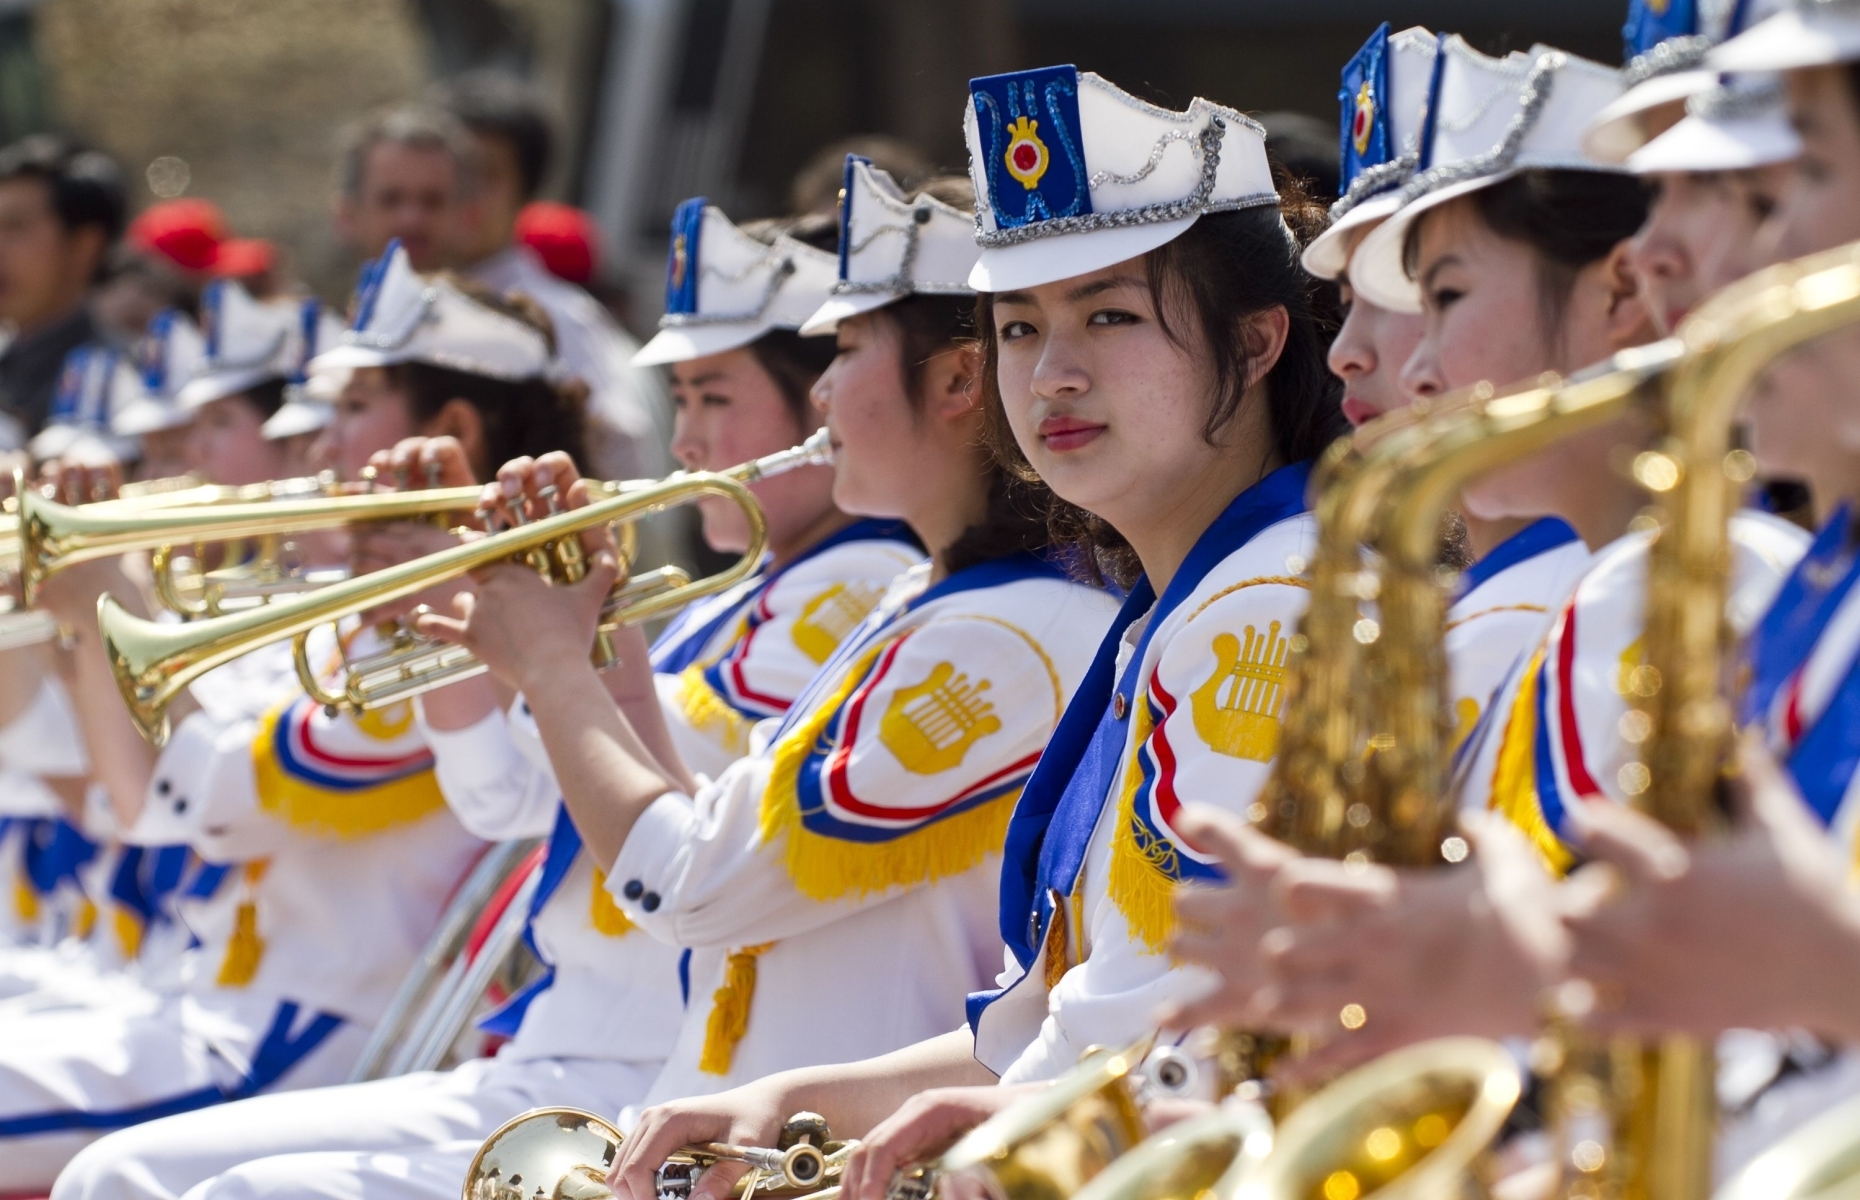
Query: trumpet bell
point(1411, 1125)
point(1820, 1161)
point(545, 1154)
point(1050, 1145)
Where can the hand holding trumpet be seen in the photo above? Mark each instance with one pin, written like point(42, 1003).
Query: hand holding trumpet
point(524, 628)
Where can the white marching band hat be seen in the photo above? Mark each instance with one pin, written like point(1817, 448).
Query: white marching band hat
point(1384, 106)
point(95, 383)
point(250, 341)
point(1809, 33)
point(310, 398)
point(1738, 124)
point(892, 247)
point(1739, 120)
point(1073, 175)
point(1488, 120)
point(725, 288)
point(402, 316)
point(168, 356)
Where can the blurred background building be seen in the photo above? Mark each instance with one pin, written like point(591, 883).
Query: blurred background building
point(241, 101)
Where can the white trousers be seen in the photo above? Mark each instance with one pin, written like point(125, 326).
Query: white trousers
point(68, 975)
point(70, 1075)
point(406, 1138)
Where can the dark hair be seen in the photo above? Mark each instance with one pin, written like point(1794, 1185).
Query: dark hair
point(267, 397)
point(414, 125)
point(497, 104)
point(1569, 218)
point(1226, 266)
point(86, 185)
point(1014, 521)
point(817, 183)
point(794, 363)
point(522, 416)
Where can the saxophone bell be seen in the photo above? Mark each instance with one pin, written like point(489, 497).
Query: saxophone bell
point(1413, 1123)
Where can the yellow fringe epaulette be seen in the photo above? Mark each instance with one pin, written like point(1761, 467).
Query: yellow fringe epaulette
point(705, 711)
point(828, 868)
point(357, 812)
point(1143, 870)
point(1514, 776)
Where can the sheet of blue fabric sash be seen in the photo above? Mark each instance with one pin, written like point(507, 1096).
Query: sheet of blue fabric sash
point(55, 849)
point(1780, 643)
point(1824, 756)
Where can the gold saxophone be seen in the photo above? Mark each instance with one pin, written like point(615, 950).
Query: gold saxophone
point(1658, 1098)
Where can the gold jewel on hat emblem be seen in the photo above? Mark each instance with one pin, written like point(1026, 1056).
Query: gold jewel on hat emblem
point(680, 258)
point(1027, 158)
point(1364, 122)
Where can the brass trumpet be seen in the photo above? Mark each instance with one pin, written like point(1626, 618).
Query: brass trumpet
point(153, 662)
point(565, 1154)
point(53, 536)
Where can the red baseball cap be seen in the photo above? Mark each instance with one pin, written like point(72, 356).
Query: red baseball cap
point(186, 232)
point(239, 258)
point(192, 234)
point(563, 236)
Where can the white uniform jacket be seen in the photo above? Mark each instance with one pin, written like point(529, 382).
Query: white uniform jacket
point(1553, 735)
point(837, 887)
point(1505, 603)
point(344, 846)
point(613, 992)
point(1182, 706)
point(40, 895)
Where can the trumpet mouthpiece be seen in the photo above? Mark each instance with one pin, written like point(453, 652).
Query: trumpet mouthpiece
point(817, 450)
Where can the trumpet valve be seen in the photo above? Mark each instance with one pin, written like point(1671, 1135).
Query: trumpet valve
point(803, 1166)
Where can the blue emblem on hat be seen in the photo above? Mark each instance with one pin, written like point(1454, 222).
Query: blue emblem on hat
point(83, 388)
point(153, 350)
point(1363, 132)
point(1650, 22)
point(211, 302)
point(1029, 123)
point(310, 322)
point(681, 263)
point(846, 201)
point(368, 287)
